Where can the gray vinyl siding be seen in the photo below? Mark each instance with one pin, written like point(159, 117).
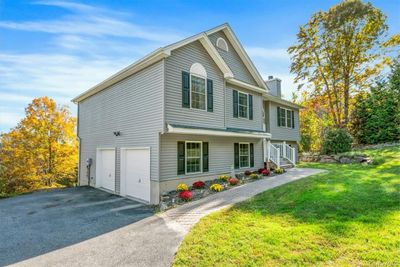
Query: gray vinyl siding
point(242, 123)
point(134, 106)
point(233, 60)
point(221, 154)
point(282, 133)
point(180, 60)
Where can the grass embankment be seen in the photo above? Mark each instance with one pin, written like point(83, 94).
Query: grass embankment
point(349, 215)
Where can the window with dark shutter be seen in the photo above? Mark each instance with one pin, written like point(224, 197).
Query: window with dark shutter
point(236, 157)
point(185, 89)
point(235, 104)
point(205, 156)
point(293, 119)
point(250, 107)
point(210, 98)
point(181, 158)
point(251, 155)
point(278, 110)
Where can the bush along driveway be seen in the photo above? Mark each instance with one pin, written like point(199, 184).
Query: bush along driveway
point(347, 216)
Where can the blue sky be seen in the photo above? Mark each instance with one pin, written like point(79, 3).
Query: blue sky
point(61, 48)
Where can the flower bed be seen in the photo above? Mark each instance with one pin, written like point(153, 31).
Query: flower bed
point(199, 189)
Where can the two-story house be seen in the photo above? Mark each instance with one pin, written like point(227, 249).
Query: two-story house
point(189, 111)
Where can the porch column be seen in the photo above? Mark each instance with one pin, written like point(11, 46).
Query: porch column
point(265, 144)
point(284, 149)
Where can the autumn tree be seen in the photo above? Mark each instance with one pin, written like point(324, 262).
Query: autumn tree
point(339, 52)
point(41, 151)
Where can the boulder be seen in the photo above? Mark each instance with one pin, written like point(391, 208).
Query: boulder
point(345, 160)
point(327, 159)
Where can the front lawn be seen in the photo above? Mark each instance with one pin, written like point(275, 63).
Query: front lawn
point(347, 216)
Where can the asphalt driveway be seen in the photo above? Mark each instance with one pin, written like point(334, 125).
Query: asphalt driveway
point(38, 223)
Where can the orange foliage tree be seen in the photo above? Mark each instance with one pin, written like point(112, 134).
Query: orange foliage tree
point(42, 151)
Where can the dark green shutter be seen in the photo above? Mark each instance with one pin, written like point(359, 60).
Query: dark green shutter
point(279, 115)
point(210, 97)
point(250, 107)
point(205, 156)
point(292, 119)
point(236, 150)
point(185, 89)
point(251, 155)
point(235, 103)
point(181, 157)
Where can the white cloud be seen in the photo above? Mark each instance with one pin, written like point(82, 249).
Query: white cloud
point(91, 21)
point(86, 45)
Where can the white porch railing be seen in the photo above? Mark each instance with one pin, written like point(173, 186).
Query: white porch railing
point(274, 155)
point(290, 153)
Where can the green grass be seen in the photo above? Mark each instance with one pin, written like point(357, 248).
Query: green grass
point(347, 216)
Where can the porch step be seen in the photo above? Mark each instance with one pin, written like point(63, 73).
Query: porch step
point(287, 166)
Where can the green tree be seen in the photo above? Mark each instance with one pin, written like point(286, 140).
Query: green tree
point(376, 117)
point(339, 52)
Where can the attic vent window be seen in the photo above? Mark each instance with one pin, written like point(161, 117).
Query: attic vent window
point(221, 43)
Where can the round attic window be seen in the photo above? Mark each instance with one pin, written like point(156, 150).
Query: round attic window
point(221, 43)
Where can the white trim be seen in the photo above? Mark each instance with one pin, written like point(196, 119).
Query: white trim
point(248, 146)
point(268, 97)
point(201, 157)
point(98, 159)
point(286, 110)
point(247, 105)
point(123, 176)
point(222, 44)
point(205, 91)
point(198, 69)
point(178, 130)
point(246, 86)
point(244, 57)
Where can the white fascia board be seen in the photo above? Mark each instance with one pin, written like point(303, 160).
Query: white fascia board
point(268, 97)
point(247, 86)
point(243, 56)
point(216, 56)
point(178, 130)
point(150, 59)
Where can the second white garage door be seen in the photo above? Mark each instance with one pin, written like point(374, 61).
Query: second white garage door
point(135, 173)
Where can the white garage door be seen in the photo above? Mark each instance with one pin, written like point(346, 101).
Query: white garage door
point(105, 168)
point(135, 173)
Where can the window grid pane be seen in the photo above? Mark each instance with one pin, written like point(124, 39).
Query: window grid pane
point(244, 159)
point(283, 117)
point(198, 92)
point(289, 118)
point(193, 159)
point(242, 105)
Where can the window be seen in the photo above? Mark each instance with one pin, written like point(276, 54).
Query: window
point(198, 92)
point(193, 157)
point(285, 117)
point(242, 103)
point(221, 43)
point(244, 155)
point(289, 118)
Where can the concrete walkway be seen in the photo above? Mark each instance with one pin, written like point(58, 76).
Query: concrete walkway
point(155, 240)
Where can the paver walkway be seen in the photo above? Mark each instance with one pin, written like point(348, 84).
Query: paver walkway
point(154, 240)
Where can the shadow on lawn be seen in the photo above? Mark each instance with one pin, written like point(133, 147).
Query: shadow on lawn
point(347, 193)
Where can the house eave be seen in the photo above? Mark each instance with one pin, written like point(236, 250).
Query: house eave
point(275, 99)
point(246, 85)
point(215, 132)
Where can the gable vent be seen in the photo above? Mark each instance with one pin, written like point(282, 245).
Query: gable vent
point(221, 43)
